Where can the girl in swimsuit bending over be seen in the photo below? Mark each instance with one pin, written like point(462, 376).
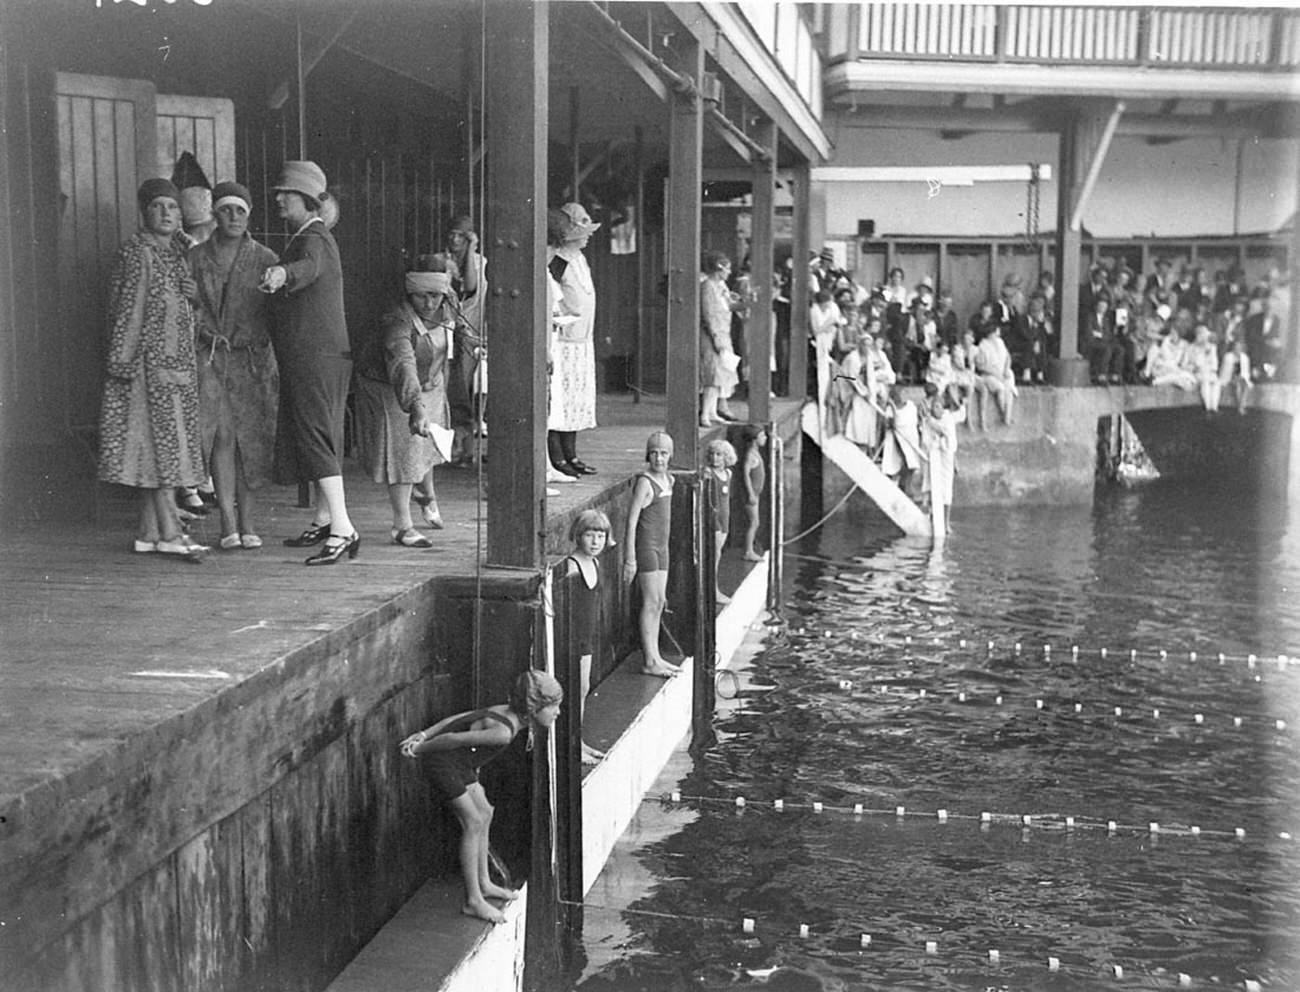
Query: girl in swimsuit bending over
point(646, 546)
point(453, 750)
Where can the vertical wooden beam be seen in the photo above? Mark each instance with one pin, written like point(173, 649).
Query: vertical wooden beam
point(761, 255)
point(1291, 356)
point(575, 155)
point(642, 271)
point(685, 170)
point(518, 42)
point(799, 296)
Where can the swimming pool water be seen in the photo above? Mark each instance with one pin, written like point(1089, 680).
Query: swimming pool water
point(877, 686)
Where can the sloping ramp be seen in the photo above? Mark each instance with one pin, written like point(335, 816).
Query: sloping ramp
point(853, 461)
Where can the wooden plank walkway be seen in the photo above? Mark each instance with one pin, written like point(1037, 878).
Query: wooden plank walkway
point(98, 644)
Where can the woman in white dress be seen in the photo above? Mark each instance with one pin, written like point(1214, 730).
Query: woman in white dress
point(719, 363)
point(572, 391)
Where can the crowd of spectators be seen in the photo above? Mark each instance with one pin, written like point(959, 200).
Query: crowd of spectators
point(1212, 332)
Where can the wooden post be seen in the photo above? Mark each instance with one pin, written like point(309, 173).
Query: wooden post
point(517, 38)
point(568, 752)
point(1291, 354)
point(759, 345)
point(774, 511)
point(704, 694)
point(685, 170)
point(799, 296)
point(643, 279)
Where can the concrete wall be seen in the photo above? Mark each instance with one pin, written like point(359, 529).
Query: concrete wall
point(1180, 189)
point(258, 840)
point(1049, 453)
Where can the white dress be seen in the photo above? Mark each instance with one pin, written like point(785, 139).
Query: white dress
point(860, 417)
point(572, 389)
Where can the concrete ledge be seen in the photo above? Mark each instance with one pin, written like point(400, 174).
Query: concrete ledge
point(430, 944)
point(612, 792)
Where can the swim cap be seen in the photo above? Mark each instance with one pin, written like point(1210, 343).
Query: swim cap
point(534, 690)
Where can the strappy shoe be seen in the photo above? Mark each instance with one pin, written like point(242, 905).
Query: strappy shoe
point(311, 536)
point(409, 537)
point(429, 510)
point(335, 548)
point(183, 546)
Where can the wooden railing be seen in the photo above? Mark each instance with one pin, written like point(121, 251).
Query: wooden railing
point(1150, 36)
point(786, 35)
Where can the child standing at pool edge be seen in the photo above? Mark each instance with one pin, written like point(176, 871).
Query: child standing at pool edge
point(649, 521)
point(589, 534)
point(719, 457)
point(452, 752)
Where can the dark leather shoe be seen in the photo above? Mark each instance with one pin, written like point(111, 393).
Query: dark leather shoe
point(580, 467)
point(311, 536)
point(335, 548)
point(567, 468)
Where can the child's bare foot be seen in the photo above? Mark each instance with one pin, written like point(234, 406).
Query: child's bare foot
point(659, 668)
point(483, 910)
point(753, 556)
point(590, 756)
point(493, 891)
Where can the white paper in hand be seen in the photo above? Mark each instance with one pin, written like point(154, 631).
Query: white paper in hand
point(442, 438)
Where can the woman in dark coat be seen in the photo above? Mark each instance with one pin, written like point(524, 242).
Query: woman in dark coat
point(312, 349)
point(149, 421)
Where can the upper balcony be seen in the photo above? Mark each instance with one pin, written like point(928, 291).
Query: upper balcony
point(1159, 53)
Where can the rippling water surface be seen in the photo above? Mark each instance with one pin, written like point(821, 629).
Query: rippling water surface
point(1152, 570)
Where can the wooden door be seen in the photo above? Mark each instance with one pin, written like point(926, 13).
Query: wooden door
point(202, 126)
point(106, 134)
point(968, 270)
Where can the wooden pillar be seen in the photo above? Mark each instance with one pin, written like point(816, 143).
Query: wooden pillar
point(759, 345)
point(704, 691)
point(517, 39)
point(799, 296)
point(685, 170)
point(643, 278)
point(1291, 349)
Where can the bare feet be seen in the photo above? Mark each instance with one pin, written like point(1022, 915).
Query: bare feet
point(493, 891)
point(484, 911)
point(590, 756)
point(659, 668)
point(752, 556)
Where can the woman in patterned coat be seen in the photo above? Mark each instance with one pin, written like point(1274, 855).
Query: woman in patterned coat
point(572, 390)
point(149, 420)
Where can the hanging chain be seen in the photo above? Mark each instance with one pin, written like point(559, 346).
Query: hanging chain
point(1032, 190)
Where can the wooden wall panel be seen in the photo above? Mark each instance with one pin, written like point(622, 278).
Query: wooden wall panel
point(210, 893)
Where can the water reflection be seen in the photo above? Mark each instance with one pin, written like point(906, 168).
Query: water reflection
point(922, 727)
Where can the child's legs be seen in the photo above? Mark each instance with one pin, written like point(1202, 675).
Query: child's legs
point(654, 586)
point(224, 477)
point(584, 684)
point(475, 815)
point(243, 496)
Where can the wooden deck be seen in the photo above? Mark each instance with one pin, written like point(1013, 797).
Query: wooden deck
point(98, 644)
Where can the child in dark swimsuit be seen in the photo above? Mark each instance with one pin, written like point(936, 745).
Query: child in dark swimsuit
point(451, 753)
point(719, 457)
point(589, 534)
point(649, 520)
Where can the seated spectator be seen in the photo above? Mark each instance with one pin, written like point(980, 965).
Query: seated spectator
point(1202, 357)
point(918, 337)
point(1234, 374)
point(1263, 333)
point(945, 319)
point(1047, 290)
point(1166, 363)
point(1105, 358)
point(1157, 283)
point(1186, 290)
point(1037, 340)
point(1098, 285)
point(1230, 325)
point(1230, 288)
point(1010, 302)
point(895, 290)
point(939, 369)
point(964, 375)
point(993, 368)
point(982, 321)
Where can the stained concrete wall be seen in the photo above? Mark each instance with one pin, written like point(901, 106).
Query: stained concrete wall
point(258, 840)
point(1049, 453)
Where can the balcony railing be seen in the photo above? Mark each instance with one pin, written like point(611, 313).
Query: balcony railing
point(786, 35)
point(1264, 39)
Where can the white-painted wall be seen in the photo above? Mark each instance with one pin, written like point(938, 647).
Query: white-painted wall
point(1180, 189)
